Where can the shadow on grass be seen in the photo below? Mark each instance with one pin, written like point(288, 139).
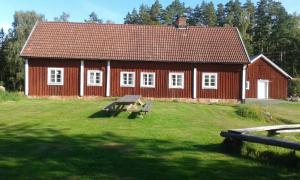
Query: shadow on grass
point(101, 114)
point(29, 151)
point(240, 149)
point(107, 114)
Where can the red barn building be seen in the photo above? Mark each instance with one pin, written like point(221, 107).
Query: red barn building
point(89, 59)
point(265, 80)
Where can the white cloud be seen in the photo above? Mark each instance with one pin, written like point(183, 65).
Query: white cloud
point(5, 26)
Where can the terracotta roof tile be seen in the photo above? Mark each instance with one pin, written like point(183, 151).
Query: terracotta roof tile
point(135, 42)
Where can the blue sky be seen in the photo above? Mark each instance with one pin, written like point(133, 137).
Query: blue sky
point(79, 10)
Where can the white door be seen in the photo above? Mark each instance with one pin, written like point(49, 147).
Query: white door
point(262, 89)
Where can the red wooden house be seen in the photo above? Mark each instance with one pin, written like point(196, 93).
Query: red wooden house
point(88, 59)
point(266, 80)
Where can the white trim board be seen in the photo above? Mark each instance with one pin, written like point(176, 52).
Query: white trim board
point(272, 63)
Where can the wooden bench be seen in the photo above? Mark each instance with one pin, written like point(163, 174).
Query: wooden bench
point(147, 107)
point(243, 135)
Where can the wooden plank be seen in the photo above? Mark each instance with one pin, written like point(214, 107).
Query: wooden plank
point(288, 131)
point(128, 99)
point(262, 140)
point(265, 128)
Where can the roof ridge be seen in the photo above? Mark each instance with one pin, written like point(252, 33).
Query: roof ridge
point(143, 25)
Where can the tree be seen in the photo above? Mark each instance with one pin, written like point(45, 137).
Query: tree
point(109, 22)
point(229, 13)
point(2, 40)
point(198, 15)
point(144, 15)
point(209, 14)
point(156, 12)
point(13, 63)
point(262, 27)
point(175, 9)
point(132, 18)
point(250, 9)
point(64, 17)
point(220, 15)
point(93, 18)
point(237, 13)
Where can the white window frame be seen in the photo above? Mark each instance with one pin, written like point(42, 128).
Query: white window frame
point(89, 76)
point(247, 85)
point(61, 78)
point(209, 86)
point(121, 79)
point(171, 86)
point(142, 80)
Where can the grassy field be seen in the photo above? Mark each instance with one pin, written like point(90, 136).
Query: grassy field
point(71, 139)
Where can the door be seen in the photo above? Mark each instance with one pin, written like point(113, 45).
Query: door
point(262, 89)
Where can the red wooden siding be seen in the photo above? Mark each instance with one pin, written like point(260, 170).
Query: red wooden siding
point(260, 69)
point(161, 70)
point(38, 77)
point(95, 90)
point(229, 81)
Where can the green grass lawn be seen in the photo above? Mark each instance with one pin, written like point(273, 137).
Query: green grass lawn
point(70, 139)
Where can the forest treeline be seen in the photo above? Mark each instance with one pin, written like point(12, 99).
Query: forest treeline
point(266, 27)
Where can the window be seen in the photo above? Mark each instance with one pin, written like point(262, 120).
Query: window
point(147, 79)
point(209, 81)
point(94, 78)
point(176, 80)
point(127, 79)
point(247, 85)
point(55, 76)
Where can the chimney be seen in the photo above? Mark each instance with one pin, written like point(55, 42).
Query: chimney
point(181, 22)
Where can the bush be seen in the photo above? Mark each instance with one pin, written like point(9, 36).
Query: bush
point(294, 87)
point(252, 111)
point(9, 96)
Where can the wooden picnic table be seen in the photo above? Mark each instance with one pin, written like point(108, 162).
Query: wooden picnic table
point(133, 103)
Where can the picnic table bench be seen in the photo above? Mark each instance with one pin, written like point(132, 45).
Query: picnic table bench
point(133, 103)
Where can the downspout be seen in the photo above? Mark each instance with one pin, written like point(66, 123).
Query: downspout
point(26, 89)
point(108, 79)
point(244, 83)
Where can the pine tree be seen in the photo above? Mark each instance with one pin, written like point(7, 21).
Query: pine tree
point(250, 9)
point(262, 28)
point(220, 15)
point(175, 9)
point(93, 18)
point(237, 13)
point(198, 14)
point(229, 13)
point(64, 17)
point(132, 18)
point(156, 12)
point(209, 14)
point(144, 15)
